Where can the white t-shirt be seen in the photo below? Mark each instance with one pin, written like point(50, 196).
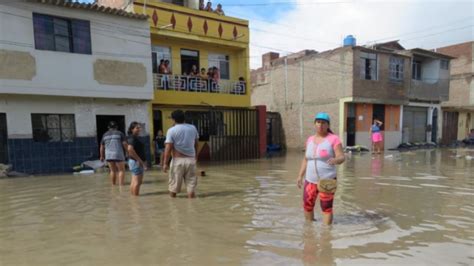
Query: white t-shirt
point(183, 137)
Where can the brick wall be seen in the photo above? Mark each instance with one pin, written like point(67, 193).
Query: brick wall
point(460, 93)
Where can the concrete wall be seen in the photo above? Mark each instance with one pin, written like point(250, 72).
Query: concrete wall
point(430, 70)
point(19, 109)
point(434, 84)
point(461, 92)
point(304, 87)
point(120, 42)
point(382, 89)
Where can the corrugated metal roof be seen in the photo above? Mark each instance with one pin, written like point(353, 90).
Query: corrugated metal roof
point(92, 7)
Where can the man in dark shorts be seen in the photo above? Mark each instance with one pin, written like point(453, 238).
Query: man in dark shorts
point(112, 150)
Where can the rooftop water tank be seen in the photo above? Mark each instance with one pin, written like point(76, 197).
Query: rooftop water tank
point(350, 41)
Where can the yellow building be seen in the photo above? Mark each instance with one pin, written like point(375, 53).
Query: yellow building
point(219, 106)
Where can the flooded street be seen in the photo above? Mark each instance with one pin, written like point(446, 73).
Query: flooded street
point(406, 208)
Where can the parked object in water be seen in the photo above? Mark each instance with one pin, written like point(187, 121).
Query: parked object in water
point(357, 148)
point(6, 171)
point(93, 164)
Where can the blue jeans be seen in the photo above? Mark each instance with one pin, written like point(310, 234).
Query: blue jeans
point(135, 167)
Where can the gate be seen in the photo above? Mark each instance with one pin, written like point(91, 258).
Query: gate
point(3, 139)
point(274, 131)
point(230, 134)
point(450, 127)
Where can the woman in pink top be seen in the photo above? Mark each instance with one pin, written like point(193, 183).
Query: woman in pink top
point(323, 153)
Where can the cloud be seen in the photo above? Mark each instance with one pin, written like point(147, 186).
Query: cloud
point(416, 23)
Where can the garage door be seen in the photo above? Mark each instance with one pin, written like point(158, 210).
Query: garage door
point(414, 124)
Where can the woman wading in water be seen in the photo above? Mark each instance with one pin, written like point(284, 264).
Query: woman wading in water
point(318, 169)
point(137, 160)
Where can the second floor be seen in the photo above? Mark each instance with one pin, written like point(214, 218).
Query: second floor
point(430, 76)
point(193, 73)
point(461, 90)
point(63, 48)
point(372, 73)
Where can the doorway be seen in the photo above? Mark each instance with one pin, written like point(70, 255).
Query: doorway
point(434, 126)
point(450, 127)
point(351, 125)
point(379, 114)
point(3, 139)
point(188, 59)
point(157, 122)
point(103, 123)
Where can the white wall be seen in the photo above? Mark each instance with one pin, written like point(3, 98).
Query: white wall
point(66, 74)
point(430, 70)
point(19, 109)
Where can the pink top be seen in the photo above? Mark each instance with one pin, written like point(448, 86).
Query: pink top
point(317, 155)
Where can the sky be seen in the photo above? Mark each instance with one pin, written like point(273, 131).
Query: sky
point(287, 26)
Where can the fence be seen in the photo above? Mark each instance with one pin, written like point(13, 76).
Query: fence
point(197, 84)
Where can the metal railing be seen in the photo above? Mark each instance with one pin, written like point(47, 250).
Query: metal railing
point(197, 84)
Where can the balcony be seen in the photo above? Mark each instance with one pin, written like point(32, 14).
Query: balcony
point(432, 92)
point(181, 22)
point(181, 83)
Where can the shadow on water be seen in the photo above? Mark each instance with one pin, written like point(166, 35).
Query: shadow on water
point(359, 218)
point(157, 193)
point(220, 194)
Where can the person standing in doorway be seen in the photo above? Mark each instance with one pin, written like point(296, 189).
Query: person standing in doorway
point(376, 135)
point(112, 150)
point(137, 160)
point(160, 146)
point(182, 143)
point(318, 169)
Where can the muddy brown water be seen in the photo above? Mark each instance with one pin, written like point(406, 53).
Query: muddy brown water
point(403, 209)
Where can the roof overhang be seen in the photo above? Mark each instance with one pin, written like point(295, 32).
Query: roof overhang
point(92, 7)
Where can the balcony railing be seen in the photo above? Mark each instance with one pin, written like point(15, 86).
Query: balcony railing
point(198, 85)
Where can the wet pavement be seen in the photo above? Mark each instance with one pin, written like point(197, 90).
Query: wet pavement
point(398, 208)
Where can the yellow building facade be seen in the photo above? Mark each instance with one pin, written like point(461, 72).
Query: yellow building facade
point(186, 37)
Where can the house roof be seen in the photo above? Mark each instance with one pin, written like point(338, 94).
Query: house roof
point(92, 7)
point(392, 45)
point(428, 53)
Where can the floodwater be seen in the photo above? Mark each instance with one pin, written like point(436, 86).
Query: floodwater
point(401, 208)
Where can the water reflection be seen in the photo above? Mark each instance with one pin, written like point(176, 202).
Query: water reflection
point(317, 246)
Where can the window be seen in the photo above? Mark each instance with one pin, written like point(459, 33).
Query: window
point(416, 70)
point(207, 123)
point(222, 63)
point(189, 58)
point(159, 53)
point(368, 66)
point(61, 34)
point(396, 68)
point(53, 127)
point(444, 64)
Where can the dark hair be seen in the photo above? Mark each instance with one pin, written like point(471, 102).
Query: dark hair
point(132, 126)
point(162, 61)
point(167, 61)
point(178, 116)
point(112, 125)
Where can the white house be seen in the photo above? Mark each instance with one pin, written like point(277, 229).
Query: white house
point(66, 70)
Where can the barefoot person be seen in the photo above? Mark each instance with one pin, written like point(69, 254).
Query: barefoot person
point(318, 169)
point(181, 142)
point(376, 135)
point(112, 150)
point(136, 162)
